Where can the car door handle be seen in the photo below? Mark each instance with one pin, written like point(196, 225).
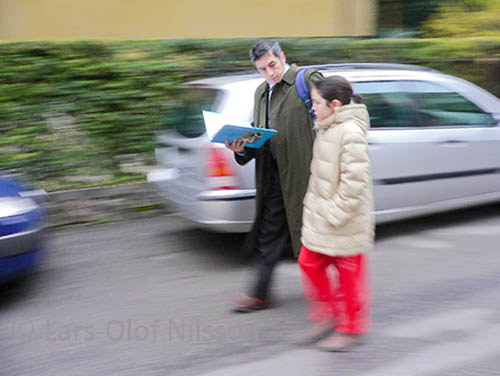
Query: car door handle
point(374, 145)
point(453, 143)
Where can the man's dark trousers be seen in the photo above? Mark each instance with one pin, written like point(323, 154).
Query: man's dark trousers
point(273, 235)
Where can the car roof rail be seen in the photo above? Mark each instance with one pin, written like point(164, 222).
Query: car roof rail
point(348, 66)
point(373, 66)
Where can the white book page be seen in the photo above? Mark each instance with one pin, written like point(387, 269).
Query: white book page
point(214, 121)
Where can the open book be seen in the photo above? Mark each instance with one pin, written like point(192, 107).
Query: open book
point(220, 128)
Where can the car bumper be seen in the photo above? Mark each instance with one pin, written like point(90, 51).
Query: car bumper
point(19, 243)
point(16, 266)
point(225, 210)
point(18, 253)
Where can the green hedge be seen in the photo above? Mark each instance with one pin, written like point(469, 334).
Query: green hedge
point(83, 113)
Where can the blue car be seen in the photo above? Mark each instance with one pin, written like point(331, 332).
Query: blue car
point(20, 228)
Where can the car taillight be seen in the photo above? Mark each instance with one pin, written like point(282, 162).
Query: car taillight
point(219, 171)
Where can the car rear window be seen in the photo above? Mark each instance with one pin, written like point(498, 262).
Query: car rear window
point(193, 100)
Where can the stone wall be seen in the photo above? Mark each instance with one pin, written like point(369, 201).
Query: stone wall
point(103, 205)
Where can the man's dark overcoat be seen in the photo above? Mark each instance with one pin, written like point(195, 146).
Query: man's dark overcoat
point(292, 147)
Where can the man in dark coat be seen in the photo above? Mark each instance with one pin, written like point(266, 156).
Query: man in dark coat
point(281, 166)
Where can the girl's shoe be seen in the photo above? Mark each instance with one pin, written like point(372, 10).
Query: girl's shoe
point(312, 334)
point(339, 342)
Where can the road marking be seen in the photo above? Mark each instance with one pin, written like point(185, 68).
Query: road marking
point(431, 361)
point(420, 242)
point(486, 230)
point(462, 320)
point(439, 358)
point(291, 363)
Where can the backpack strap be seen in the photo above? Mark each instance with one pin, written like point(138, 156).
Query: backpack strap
point(303, 91)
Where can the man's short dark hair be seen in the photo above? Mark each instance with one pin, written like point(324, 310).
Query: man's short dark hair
point(263, 47)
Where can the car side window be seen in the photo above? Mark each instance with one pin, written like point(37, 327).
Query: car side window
point(388, 105)
point(438, 106)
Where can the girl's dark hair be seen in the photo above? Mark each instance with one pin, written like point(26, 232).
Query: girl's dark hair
point(337, 87)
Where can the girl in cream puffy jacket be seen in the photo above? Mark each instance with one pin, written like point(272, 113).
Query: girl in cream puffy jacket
point(338, 220)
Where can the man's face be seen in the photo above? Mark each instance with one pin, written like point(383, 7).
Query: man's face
point(271, 67)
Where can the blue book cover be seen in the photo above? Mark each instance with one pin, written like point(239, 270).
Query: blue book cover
point(220, 128)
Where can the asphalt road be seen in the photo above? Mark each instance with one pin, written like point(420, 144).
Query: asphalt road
point(152, 297)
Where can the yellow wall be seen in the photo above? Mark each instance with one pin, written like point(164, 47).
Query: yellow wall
point(145, 19)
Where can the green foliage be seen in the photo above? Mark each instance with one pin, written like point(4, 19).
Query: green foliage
point(74, 114)
point(464, 18)
point(417, 11)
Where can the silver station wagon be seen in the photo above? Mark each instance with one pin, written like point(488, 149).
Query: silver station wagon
point(434, 146)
